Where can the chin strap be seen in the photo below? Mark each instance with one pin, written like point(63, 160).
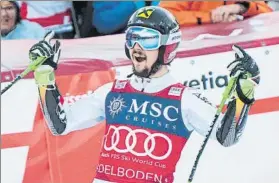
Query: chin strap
point(155, 67)
point(130, 75)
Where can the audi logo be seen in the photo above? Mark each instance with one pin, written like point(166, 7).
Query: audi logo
point(132, 137)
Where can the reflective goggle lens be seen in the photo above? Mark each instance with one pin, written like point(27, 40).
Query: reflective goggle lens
point(148, 39)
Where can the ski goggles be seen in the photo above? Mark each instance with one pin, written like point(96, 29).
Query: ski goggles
point(149, 39)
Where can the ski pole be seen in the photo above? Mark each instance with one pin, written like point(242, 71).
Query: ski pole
point(30, 68)
point(227, 93)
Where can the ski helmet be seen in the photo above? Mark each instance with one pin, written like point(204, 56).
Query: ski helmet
point(159, 19)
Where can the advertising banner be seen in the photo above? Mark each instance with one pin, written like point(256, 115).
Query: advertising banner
point(40, 156)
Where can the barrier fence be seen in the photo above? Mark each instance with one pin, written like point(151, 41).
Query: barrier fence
point(31, 154)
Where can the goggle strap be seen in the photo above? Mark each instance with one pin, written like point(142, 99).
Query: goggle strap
point(174, 38)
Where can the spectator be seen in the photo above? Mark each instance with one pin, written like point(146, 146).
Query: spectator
point(202, 12)
point(111, 17)
point(12, 27)
point(83, 11)
point(52, 15)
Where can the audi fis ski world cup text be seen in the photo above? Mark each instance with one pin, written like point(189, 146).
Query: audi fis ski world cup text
point(130, 173)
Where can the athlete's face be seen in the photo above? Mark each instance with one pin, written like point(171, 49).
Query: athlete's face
point(142, 60)
point(8, 17)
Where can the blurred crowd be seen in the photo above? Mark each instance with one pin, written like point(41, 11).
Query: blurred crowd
point(80, 19)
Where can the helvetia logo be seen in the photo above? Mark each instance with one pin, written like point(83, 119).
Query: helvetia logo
point(208, 81)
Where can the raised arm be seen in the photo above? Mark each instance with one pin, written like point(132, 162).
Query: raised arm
point(230, 125)
point(61, 116)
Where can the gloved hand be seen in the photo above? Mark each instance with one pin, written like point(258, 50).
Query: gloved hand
point(47, 56)
point(246, 69)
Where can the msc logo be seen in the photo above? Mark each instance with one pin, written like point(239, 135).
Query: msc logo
point(116, 105)
point(145, 13)
point(153, 109)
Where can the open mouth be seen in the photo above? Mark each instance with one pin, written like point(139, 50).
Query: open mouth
point(139, 58)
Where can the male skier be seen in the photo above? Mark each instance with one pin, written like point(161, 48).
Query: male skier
point(149, 116)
